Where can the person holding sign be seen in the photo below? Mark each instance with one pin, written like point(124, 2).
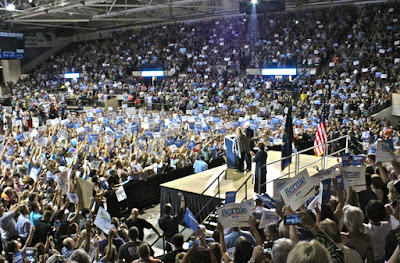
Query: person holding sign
point(170, 224)
point(261, 169)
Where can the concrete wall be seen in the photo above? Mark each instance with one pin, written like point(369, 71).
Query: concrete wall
point(11, 70)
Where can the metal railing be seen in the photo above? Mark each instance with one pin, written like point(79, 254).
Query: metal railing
point(245, 187)
point(218, 193)
point(296, 155)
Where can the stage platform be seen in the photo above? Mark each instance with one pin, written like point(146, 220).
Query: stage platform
point(193, 186)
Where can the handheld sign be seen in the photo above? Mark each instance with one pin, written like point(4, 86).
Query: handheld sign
point(191, 221)
point(267, 217)
point(230, 197)
point(103, 220)
point(267, 200)
point(298, 190)
point(354, 176)
point(120, 193)
point(383, 152)
point(235, 215)
point(73, 198)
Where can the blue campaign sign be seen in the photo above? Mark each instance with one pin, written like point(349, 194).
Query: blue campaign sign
point(149, 133)
point(191, 221)
point(118, 135)
point(135, 127)
point(170, 142)
point(191, 145)
point(237, 110)
point(54, 138)
point(106, 121)
point(346, 159)
point(19, 137)
point(298, 122)
point(358, 160)
point(230, 197)
point(93, 137)
point(254, 126)
point(224, 107)
point(314, 118)
point(267, 200)
point(90, 119)
point(119, 121)
point(81, 137)
point(198, 128)
point(222, 131)
point(179, 143)
point(18, 258)
point(274, 121)
point(87, 129)
point(339, 178)
point(70, 125)
point(235, 124)
point(156, 129)
point(326, 190)
point(216, 119)
point(76, 125)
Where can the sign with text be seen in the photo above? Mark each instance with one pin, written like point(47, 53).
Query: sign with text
point(354, 176)
point(235, 215)
point(103, 220)
point(383, 152)
point(298, 190)
point(268, 216)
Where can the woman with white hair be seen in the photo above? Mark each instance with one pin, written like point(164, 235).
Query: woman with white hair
point(355, 238)
point(281, 249)
point(239, 148)
point(309, 252)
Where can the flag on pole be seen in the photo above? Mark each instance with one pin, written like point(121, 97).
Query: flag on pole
point(322, 134)
point(287, 139)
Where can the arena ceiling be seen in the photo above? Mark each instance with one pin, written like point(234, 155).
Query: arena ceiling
point(94, 15)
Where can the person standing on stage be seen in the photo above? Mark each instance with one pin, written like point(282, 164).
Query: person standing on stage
point(240, 148)
point(261, 170)
point(250, 143)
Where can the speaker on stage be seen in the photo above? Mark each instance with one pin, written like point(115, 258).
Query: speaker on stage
point(230, 156)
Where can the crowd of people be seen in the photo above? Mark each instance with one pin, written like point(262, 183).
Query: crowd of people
point(347, 60)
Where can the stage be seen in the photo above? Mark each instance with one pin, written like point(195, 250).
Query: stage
point(193, 186)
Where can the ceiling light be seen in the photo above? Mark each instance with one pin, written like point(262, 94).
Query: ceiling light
point(254, 2)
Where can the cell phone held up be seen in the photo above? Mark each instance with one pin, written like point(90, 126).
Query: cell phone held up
point(292, 220)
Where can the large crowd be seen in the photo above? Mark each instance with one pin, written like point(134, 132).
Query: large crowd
point(347, 58)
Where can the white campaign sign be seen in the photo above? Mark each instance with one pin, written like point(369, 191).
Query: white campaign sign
point(268, 216)
point(103, 220)
point(354, 176)
point(278, 183)
point(383, 152)
point(329, 173)
point(235, 214)
point(298, 190)
point(120, 193)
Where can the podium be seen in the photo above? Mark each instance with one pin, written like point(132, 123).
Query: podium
point(230, 156)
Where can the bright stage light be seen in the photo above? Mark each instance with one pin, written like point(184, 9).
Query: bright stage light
point(10, 7)
point(254, 2)
point(278, 71)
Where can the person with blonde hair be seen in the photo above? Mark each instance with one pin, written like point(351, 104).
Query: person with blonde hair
point(239, 148)
point(309, 252)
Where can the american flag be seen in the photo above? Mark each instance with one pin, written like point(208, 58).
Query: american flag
point(322, 134)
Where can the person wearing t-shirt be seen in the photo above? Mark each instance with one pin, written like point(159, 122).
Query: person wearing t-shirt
point(129, 251)
point(140, 223)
